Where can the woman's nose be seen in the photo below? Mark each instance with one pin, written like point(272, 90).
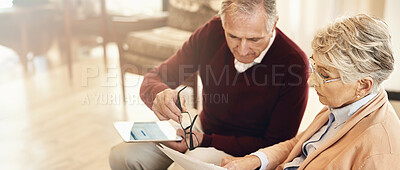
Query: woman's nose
point(312, 81)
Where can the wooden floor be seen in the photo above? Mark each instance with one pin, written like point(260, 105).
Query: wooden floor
point(50, 122)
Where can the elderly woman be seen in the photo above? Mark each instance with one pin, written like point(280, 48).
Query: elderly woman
point(358, 128)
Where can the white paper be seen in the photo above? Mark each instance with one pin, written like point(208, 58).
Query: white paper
point(187, 162)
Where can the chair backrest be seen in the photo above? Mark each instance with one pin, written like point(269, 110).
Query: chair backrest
point(190, 14)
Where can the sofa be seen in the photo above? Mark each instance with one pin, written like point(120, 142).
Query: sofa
point(144, 41)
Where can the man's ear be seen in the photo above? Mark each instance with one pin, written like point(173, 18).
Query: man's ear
point(273, 28)
point(365, 86)
point(276, 21)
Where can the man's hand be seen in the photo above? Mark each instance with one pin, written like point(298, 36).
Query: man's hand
point(247, 162)
point(164, 105)
point(181, 145)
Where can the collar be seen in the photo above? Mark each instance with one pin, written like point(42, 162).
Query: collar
point(341, 115)
point(242, 67)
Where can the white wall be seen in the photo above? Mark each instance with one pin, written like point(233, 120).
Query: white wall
point(300, 19)
point(392, 14)
point(132, 7)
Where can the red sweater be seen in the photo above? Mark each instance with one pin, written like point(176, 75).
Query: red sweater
point(242, 112)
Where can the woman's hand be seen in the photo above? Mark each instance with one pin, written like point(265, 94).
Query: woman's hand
point(247, 162)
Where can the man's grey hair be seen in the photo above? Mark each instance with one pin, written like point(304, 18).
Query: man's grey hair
point(248, 7)
point(357, 47)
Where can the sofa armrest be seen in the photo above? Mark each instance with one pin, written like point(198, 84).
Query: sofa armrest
point(122, 25)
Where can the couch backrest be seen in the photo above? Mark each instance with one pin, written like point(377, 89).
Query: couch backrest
point(190, 14)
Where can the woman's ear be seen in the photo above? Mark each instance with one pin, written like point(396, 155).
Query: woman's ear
point(365, 86)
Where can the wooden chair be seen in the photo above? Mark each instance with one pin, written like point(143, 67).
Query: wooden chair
point(82, 26)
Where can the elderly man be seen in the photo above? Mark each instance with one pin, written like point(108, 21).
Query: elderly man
point(242, 58)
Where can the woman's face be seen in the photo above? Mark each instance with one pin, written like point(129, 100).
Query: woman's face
point(334, 93)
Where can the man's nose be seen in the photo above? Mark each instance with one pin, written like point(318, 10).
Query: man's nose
point(243, 47)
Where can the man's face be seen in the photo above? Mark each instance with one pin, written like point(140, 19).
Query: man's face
point(246, 35)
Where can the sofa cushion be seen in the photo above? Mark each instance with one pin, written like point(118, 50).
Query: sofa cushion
point(159, 43)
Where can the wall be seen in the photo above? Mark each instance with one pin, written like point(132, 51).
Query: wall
point(392, 14)
point(300, 19)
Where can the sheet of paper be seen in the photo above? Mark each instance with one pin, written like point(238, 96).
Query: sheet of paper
point(187, 162)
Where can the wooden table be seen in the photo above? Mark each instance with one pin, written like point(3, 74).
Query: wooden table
point(27, 30)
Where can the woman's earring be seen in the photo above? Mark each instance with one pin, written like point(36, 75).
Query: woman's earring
point(358, 96)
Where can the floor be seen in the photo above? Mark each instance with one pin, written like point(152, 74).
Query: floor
point(48, 121)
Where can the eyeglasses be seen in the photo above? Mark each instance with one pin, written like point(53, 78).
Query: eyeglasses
point(186, 122)
point(320, 77)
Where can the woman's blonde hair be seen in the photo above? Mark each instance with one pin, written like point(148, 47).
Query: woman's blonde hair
point(357, 47)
